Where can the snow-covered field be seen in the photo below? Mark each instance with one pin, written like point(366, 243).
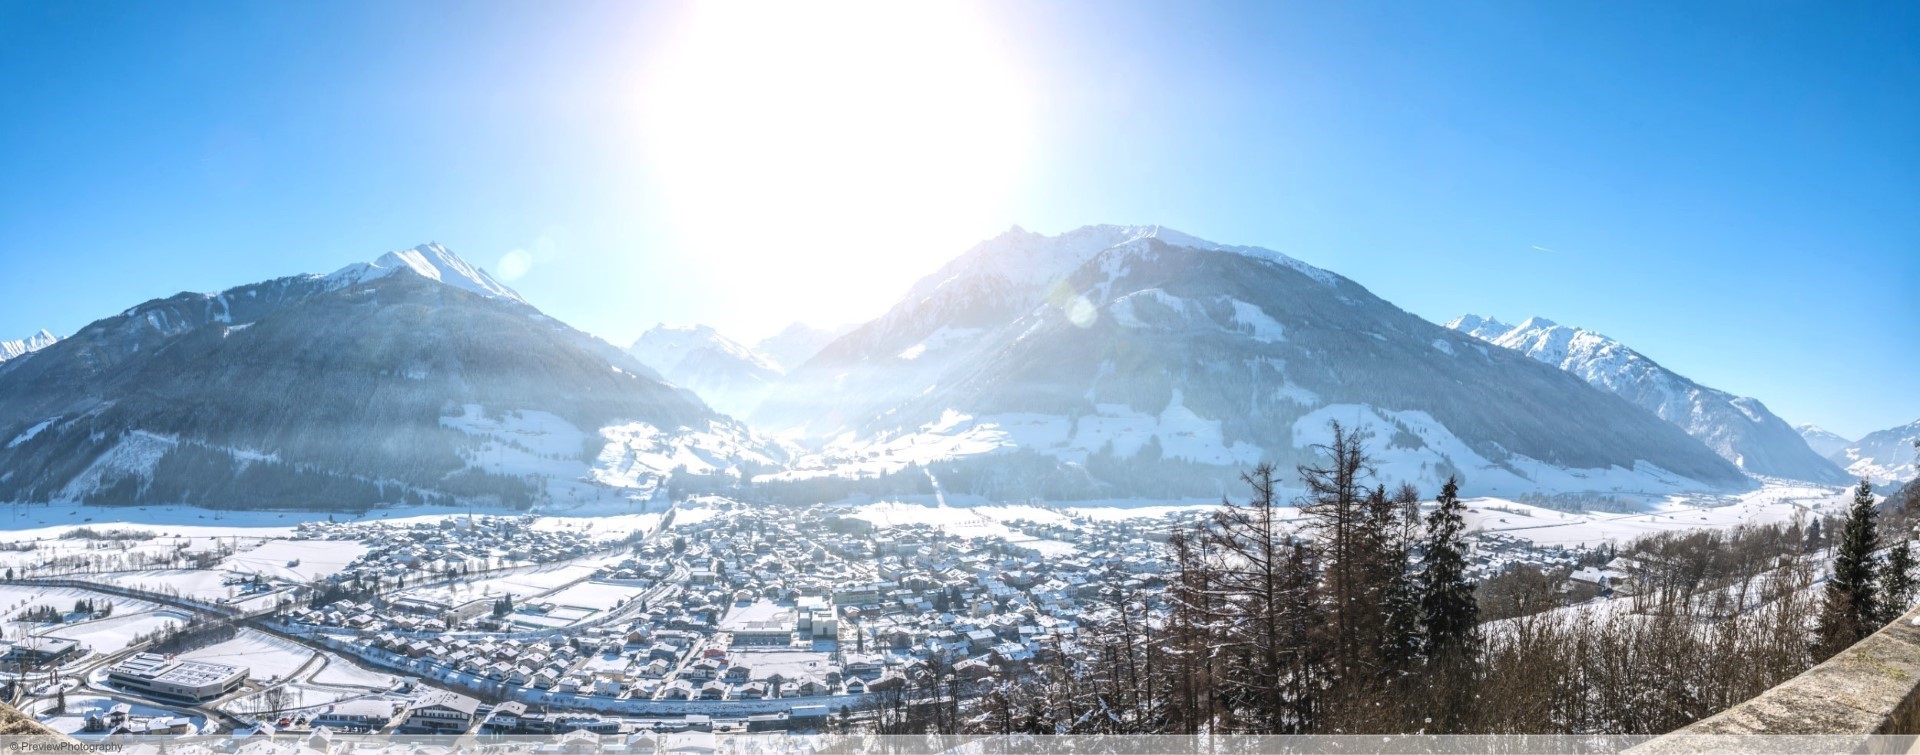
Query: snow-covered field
point(1181, 433)
point(200, 584)
point(972, 521)
point(601, 527)
point(1778, 502)
point(291, 697)
point(266, 657)
point(342, 672)
point(20, 596)
point(114, 633)
point(600, 596)
point(521, 584)
point(315, 558)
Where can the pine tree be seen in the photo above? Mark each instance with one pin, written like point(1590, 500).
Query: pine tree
point(1403, 637)
point(1852, 606)
point(1451, 614)
point(1446, 597)
point(1336, 514)
point(1896, 582)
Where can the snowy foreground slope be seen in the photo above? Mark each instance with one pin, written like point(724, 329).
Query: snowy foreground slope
point(1113, 361)
point(1740, 429)
point(416, 378)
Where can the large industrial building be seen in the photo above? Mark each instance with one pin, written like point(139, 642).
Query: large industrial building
point(165, 678)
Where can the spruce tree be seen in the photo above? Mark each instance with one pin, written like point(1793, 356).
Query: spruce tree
point(1402, 632)
point(1451, 615)
point(1852, 606)
point(1896, 582)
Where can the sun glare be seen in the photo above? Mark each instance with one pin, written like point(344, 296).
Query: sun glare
point(833, 149)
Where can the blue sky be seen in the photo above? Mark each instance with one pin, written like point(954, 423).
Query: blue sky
point(1731, 188)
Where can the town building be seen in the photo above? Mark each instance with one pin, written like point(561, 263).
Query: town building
point(166, 678)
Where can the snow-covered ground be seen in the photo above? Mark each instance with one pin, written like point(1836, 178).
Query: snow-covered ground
point(341, 672)
point(16, 598)
point(522, 584)
point(602, 527)
point(633, 464)
point(115, 633)
point(292, 697)
point(79, 706)
point(206, 585)
point(313, 558)
point(1182, 434)
point(266, 657)
point(600, 596)
point(1776, 502)
point(972, 521)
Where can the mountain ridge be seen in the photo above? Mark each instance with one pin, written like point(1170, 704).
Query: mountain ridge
point(1739, 429)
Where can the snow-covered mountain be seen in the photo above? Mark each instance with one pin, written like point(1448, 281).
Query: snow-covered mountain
point(416, 378)
point(1139, 361)
point(433, 262)
point(727, 375)
point(25, 346)
point(1823, 441)
point(1883, 457)
point(793, 346)
point(1737, 428)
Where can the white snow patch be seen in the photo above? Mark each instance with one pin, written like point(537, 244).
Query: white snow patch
point(1441, 453)
point(31, 432)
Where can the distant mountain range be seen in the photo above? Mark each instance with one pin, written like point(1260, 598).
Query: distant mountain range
point(25, 346)
point(729, 376)
point(1883, 457)
point(1822, 441)
point(793, 346)
point(1105, 362)
point(414, 378)
point(1739, 429)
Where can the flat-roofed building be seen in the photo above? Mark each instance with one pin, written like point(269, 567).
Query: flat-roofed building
point(760, 623)
point(40, 651)
point(357, 716)
point(166, 678)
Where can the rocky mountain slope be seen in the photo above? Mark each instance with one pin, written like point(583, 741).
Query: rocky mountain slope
point(1737, 428)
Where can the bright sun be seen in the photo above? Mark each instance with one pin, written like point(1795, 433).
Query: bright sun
point(829, 153)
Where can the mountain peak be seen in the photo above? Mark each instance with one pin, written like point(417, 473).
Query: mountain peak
point(1538, 323)
point(433, 262)
point(1483, 328)
point(28, 345)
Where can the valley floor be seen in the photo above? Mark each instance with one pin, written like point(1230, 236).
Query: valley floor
point(707, 611)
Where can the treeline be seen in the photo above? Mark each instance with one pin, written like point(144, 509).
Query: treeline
point(181, 638)
point(1363, 621)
